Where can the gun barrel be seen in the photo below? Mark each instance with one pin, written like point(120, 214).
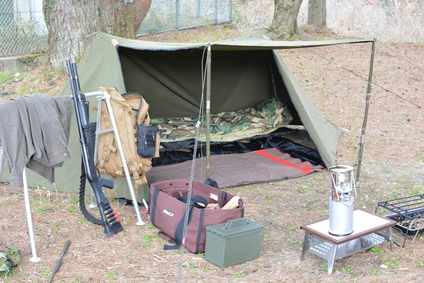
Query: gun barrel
point(82, 118)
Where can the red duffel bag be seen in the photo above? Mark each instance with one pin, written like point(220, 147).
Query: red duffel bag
point(167, 208)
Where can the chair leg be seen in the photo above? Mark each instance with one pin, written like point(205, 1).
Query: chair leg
point(123, 161)
point(34, 257)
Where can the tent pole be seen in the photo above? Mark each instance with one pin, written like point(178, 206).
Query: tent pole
point(272, 76)
point(367, 105)
point(208, 111)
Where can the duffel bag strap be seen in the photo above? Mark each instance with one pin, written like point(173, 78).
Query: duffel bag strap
point(196, 201)
point(166, 237)
point(152, 206)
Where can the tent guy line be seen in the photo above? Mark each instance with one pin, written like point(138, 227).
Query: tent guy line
point(373, 83)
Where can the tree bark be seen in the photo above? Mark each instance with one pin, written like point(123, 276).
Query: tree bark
point(284, 23)
point(317, 13)
point(71, 22)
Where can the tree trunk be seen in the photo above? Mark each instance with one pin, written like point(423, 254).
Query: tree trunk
point(71, 22)
point(317, 13)
point(284, 23)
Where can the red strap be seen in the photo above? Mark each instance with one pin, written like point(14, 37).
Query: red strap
point(304, 168)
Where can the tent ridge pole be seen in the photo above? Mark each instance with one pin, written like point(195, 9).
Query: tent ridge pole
point(367, 105)
point(208, 110)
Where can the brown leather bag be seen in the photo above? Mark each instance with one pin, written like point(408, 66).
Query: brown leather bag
point(167, 210)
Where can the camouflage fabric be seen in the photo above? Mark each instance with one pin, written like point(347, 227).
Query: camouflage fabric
point(5, 265)
point(9, 259)
point(228, 126)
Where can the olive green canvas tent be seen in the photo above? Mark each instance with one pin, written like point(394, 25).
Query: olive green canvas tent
point(171, 76)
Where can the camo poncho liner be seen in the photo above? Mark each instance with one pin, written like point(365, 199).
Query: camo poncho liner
point(266, 117)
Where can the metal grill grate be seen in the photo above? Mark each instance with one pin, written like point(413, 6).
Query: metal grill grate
point(407, 206)
point(408, 212)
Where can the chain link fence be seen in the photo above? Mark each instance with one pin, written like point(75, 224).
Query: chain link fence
point(22, 27)
point(165, 15)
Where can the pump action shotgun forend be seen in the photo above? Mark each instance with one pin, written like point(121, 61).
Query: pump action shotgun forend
point(108, 217)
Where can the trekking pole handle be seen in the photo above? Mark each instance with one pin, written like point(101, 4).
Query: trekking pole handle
point(65, 248)
point(59, 262)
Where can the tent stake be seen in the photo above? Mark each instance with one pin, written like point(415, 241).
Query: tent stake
point(208, 112)
point(367, 105)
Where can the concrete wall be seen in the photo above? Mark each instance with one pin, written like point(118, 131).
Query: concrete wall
point(17, 64)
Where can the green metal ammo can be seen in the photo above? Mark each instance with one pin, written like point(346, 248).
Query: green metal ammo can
point(233, 242)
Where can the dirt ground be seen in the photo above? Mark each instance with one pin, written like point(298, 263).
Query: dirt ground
point(336, 80)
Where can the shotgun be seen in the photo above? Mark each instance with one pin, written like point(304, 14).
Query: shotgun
point(108, 216)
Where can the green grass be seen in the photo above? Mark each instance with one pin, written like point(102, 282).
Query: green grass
point(146, 241)
point(5, 77)
point(78, 279)
point(42, 208)
point(160, 240)
point(110, 276)
point(348, 270)
point(70, 209)
point(74, 200)
point(320, 178)
point(390, 264)
point(375, 272)
point(385, 169)
point(376, 250)
point(294, 241)
point(306, 190)
point(239, 274)
point(292, 228)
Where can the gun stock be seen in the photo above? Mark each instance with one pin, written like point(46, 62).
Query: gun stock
point(108, 216)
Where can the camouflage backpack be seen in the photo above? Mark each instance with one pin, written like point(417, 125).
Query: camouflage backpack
point(9, 259)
